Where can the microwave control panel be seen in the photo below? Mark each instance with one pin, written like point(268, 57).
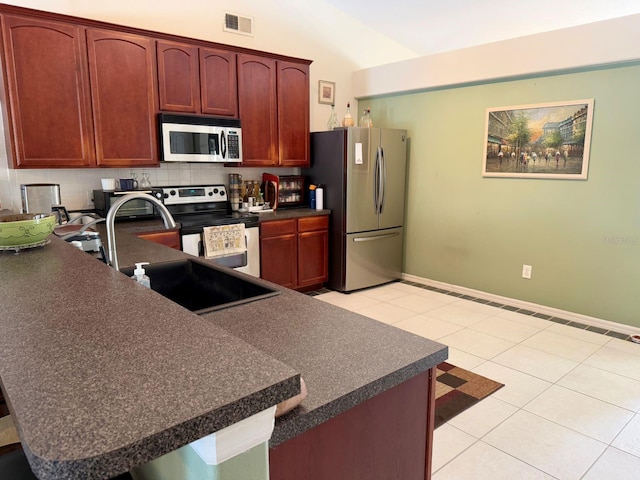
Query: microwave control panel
point(233, 145)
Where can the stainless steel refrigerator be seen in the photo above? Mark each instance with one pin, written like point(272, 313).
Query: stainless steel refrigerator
point(363, 174)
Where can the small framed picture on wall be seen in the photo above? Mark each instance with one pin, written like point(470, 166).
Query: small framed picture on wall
point(326, 92)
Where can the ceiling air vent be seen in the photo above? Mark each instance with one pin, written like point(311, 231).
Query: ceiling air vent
point(238, 24)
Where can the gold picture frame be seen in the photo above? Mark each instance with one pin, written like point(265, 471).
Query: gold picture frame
point(545, 140)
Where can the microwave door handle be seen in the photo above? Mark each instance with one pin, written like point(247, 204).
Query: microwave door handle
point(223, 147)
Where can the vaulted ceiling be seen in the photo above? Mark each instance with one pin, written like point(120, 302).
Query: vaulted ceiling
point(432, 26)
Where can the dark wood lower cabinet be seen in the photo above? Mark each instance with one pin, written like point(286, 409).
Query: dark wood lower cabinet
point(388, 437)
point(294, 253)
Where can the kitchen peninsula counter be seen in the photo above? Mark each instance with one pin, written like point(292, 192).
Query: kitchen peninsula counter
point(102, 374)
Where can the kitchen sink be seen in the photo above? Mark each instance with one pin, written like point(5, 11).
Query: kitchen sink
point(200, 287)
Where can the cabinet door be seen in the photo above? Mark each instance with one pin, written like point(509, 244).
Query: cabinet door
point(293, 114)
point(278, 252)
point(48, 93)
point(178, 77)
point(313, 258)
point(313, 250)
point(123, 92)
point(218, 81)
point(258, 110)
point(278, 260)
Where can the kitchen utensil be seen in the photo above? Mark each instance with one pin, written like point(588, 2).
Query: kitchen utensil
point(145, 182)
point(25, 229)
point(109, 183)
point(128, 184)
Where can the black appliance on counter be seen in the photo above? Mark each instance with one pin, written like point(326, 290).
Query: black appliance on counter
point(136, 209)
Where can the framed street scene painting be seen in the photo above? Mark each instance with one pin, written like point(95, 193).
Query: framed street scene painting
point(547, 140)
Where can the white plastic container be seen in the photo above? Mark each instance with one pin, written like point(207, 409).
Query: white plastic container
point(319, 198)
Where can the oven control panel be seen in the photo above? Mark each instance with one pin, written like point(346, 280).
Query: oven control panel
point(180, 195)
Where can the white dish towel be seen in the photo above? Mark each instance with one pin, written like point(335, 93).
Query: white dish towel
point(221, 240)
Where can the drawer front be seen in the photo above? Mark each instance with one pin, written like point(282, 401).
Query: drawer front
point(277, 227)
point(309, 224)
point(169, 238)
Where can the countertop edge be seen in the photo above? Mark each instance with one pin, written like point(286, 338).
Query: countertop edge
point(291, 425)
point(118, 461)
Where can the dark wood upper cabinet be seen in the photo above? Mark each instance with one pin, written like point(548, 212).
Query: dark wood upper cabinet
point(84, 93)
point(178, 77)
point(293, 114)
point(258, 110)
point(274, 111)
point(218, 82)
point(123, 91)
point(197, 80)
point(47, 86)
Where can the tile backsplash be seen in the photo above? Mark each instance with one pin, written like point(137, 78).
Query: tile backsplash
point(77, 185)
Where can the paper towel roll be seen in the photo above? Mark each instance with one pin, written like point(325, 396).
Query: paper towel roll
point(319, 198)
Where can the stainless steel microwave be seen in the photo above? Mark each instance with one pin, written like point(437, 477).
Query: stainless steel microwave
point(200, 139)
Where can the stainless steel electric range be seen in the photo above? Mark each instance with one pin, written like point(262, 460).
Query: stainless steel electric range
point(199, 206)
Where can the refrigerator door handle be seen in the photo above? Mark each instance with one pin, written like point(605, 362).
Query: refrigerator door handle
point(383, 179)
point(377, 237)
point(376, 183)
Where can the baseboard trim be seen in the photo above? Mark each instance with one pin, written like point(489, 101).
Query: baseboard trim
point(554, 312)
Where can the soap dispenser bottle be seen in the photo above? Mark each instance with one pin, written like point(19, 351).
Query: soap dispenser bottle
point(139, 275)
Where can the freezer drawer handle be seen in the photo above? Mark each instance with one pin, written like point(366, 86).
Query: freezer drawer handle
point(377, 237)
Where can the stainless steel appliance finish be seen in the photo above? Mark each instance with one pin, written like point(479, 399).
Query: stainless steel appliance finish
point(199, 206)
point(39, 197)
point(363, 173)
point(169, 222)
point(190, 138)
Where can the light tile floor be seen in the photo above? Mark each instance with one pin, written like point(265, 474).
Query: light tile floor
point(570, 407)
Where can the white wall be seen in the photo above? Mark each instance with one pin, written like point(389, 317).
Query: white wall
point(311, 29)
point(601, 43)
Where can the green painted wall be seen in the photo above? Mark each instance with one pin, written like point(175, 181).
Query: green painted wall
point(185, 464)
point(581, 237)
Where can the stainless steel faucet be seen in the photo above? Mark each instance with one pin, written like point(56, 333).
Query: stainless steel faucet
point(167, 218)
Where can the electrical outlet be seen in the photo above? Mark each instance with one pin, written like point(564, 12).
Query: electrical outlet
point(89, 198)
point(526, 271)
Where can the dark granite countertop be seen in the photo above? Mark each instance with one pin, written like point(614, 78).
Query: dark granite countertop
point(285, 213)
point(344, 358)
point(102, 374)
point(131, 366)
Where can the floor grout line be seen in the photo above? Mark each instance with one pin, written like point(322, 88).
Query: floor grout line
point(511, 308)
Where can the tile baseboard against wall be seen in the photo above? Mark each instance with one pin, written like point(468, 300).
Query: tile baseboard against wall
point(578, 320)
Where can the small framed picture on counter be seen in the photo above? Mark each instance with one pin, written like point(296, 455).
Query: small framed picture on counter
point(326, 92)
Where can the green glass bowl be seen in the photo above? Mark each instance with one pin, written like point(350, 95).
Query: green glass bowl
point(25, 229)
